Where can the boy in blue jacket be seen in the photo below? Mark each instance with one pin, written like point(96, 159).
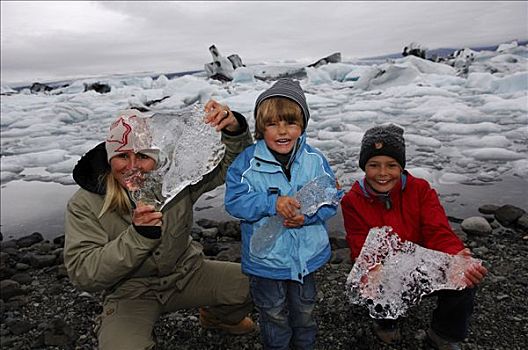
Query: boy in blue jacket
point(260, 184)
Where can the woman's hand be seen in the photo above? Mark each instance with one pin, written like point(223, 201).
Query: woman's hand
point(474, 273)
point(146, 215)
point(220, 116)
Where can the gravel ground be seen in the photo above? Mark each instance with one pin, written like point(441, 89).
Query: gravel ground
point(47, 312)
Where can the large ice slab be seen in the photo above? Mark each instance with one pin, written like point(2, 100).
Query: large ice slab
point(389, 275)
point(316, 193)
point(189, 149)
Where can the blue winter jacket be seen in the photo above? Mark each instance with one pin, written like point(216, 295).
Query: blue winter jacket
point(254, 181)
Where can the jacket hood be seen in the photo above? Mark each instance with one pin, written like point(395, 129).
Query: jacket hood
point(91, 168)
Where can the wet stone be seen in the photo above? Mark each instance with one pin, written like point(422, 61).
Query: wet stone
point(507, 215)
point(476, 225)
point(488, 209)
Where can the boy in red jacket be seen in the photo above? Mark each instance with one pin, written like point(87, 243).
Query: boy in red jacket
point(388, 195)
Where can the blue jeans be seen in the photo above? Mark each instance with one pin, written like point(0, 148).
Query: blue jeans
point(285, 309)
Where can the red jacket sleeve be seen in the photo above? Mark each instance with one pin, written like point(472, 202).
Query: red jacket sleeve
point(435, 229)
point(356, 230)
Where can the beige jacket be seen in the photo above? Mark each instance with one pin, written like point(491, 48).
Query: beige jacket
point(108, 254)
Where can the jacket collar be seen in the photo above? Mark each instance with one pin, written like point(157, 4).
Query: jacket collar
point(91, 169)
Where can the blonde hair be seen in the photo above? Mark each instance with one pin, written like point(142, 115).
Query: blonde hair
point(277, 109)
point(116, 197)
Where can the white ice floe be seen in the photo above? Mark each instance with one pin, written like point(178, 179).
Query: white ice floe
point(467, 120)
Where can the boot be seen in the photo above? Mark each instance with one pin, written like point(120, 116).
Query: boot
point(208, 321)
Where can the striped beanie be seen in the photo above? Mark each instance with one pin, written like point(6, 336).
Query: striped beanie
point(286, 87)
point(383, 140)
point(130, 132)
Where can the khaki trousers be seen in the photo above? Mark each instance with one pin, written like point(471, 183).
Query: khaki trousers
point(128, 323)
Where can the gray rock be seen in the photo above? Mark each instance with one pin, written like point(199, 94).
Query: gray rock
point(6, 272)
point(3, 258)
point(232, 253)
point(476, 225)
point(59, 241)
point(22, 278)
point(196, 233)
point(28, 241)
point(22, 267)
point(10, 288)
point(39, 261)
point(44, 247)
point(16, 302)
point(522, 223)
point(488, 209)
point(494, 224)
point(8, 244)
point(481, 251)
point(206, 223)
point(230, 229)
point(210, 232)
point(507, 215)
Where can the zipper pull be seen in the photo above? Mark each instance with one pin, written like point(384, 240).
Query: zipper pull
point(388, 203)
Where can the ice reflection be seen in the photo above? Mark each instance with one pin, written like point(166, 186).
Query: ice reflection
point(189, 149)
point(389, 276)
point(316, 193)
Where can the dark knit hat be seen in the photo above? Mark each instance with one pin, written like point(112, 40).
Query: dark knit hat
point(385, 140)
point(286, 87)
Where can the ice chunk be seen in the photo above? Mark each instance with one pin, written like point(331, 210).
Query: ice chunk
point(145, 187)
point(389, 276)
point(189, 149)
point(316, 193)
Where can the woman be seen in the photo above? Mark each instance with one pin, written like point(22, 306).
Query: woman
point(145, 260)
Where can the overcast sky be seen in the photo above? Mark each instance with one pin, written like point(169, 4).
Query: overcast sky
point(53, 40)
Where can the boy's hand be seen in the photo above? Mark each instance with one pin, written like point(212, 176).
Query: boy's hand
point(474, 273)
point(146, 215)
point(296, 221)
point(287, 207)
point(220, 116)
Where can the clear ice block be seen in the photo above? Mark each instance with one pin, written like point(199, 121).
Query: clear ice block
point(389, 275)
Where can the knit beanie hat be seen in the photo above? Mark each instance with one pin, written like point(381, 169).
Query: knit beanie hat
point(130, 132)
point(384, 140)
point(286, 87)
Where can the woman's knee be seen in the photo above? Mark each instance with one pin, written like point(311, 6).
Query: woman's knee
point(119, 327)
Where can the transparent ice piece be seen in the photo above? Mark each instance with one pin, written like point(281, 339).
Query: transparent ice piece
point(144, 187)
point(389, 276)
point(316, 193)
point(188, 150)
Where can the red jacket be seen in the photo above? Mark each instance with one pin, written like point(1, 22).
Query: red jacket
point(415, 215)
